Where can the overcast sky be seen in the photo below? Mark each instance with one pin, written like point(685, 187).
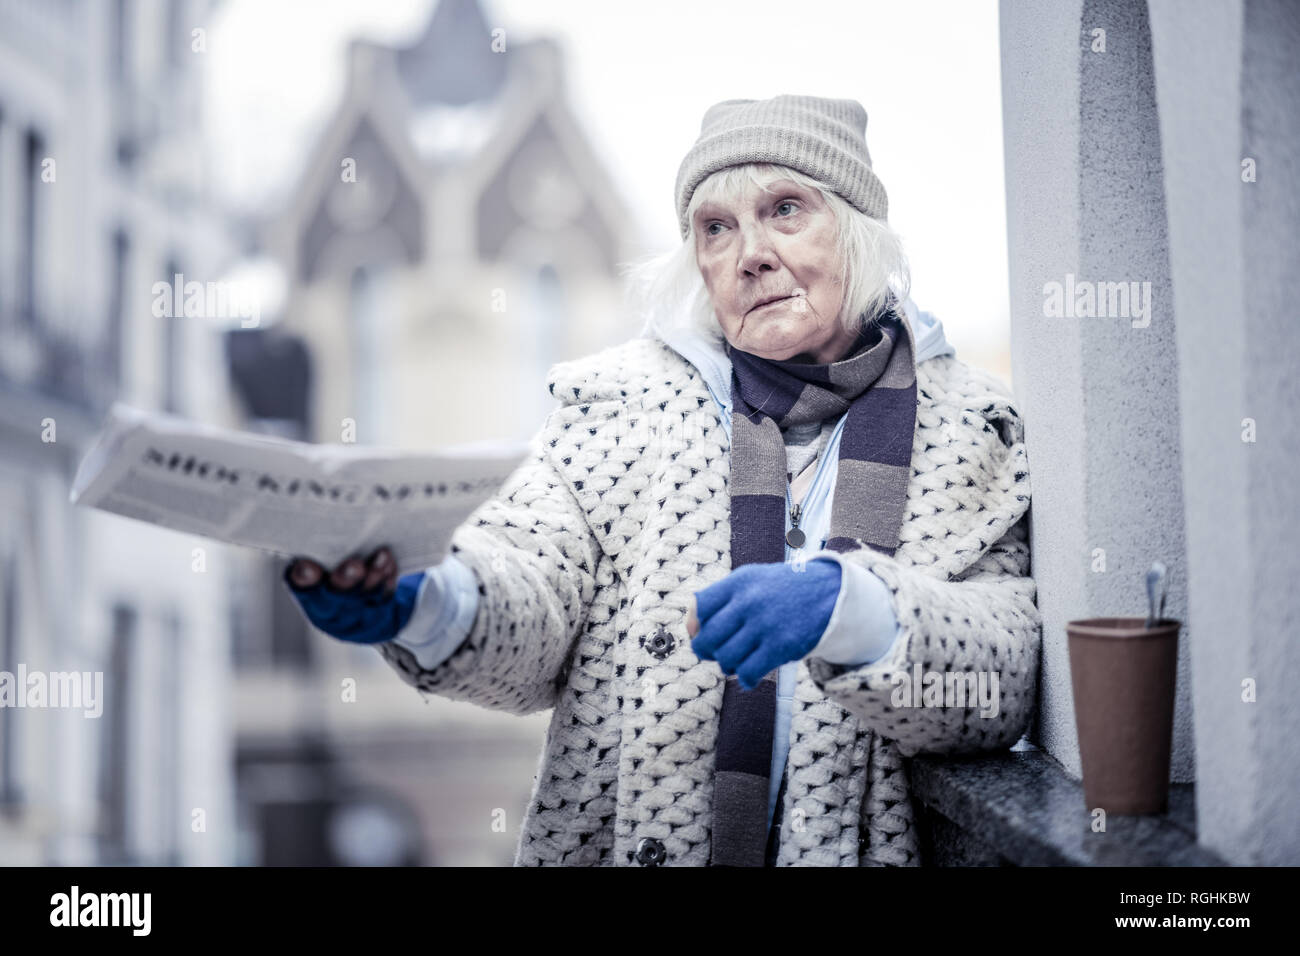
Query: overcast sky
point(927, 72)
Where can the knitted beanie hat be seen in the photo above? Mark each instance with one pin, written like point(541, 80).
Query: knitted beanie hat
point(824, 138)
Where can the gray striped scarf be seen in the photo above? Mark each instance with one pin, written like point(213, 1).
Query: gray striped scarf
point(876, 386)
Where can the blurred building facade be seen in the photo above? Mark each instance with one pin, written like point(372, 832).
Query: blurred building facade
point(102, 195)
point(450, 237)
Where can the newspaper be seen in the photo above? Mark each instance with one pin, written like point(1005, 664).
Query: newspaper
point(296, 499)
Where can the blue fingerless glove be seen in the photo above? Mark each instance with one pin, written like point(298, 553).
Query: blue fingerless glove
point(362, 617)
point(761, 616)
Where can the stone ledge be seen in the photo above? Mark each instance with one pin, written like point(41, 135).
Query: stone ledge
point(1020, 808)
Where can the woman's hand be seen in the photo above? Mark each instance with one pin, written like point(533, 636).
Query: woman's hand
point(761, 616)
point(360, 602)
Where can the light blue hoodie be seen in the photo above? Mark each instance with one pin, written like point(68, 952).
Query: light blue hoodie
point(862, 626)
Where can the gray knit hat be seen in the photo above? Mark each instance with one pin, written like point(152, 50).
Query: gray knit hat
point(824, 138)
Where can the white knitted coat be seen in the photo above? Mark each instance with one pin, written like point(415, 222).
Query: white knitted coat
point(601, 537)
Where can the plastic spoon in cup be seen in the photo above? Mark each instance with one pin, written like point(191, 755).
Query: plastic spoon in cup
point(1155, 587)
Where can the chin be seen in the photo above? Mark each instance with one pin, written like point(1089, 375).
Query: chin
point(782, 354)
point(780, 348)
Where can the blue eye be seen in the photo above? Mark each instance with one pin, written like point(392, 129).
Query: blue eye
point(785, 202)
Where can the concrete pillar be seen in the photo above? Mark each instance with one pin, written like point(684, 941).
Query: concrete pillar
point(1130, 138)
point(1097, 381)
point(1229, 89)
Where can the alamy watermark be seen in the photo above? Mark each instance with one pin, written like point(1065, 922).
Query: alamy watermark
point(65, 689)
point(75, 908)
point(947, 689)
point(206, 300)
point(1083, 299)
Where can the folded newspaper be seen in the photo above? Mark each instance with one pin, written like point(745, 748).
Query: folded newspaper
point(325, 502)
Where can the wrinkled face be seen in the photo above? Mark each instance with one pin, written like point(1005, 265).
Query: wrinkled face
point(768, 262)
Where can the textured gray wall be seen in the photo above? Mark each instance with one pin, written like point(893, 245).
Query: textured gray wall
point(1230, 89)
point(1134, 495)
point(1100, 396)
point(1124, 166)
point(1040, 123)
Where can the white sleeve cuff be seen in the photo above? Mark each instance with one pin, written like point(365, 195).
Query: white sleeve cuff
point(444, 612)
point(863, 625)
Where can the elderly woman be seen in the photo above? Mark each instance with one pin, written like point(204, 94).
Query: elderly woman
point(759, 555)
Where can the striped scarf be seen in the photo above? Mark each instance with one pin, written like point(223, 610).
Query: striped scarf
point(876, 385)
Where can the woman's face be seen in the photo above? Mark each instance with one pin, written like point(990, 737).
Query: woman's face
point(777, 245)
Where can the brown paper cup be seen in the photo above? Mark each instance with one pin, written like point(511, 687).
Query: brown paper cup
point(1123, 675)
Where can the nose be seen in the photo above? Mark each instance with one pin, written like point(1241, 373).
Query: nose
point(756, 252)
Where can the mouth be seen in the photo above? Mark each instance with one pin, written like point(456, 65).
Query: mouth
point(769, 301)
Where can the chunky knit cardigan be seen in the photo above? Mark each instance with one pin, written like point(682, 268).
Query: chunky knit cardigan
point(587, 559)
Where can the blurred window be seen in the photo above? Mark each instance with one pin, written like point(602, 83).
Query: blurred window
point(114, 750)
point(172, 353)
point(10, 786)
point(169, 734)
point(29, 245)
point(369, 312)
point(121, 254)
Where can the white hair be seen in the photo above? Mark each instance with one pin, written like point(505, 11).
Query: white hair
point(667, 292)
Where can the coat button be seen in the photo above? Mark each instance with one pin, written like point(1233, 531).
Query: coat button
point(661, 645)
point(650, 852)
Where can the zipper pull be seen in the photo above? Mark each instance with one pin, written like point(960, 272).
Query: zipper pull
point(794, 537)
